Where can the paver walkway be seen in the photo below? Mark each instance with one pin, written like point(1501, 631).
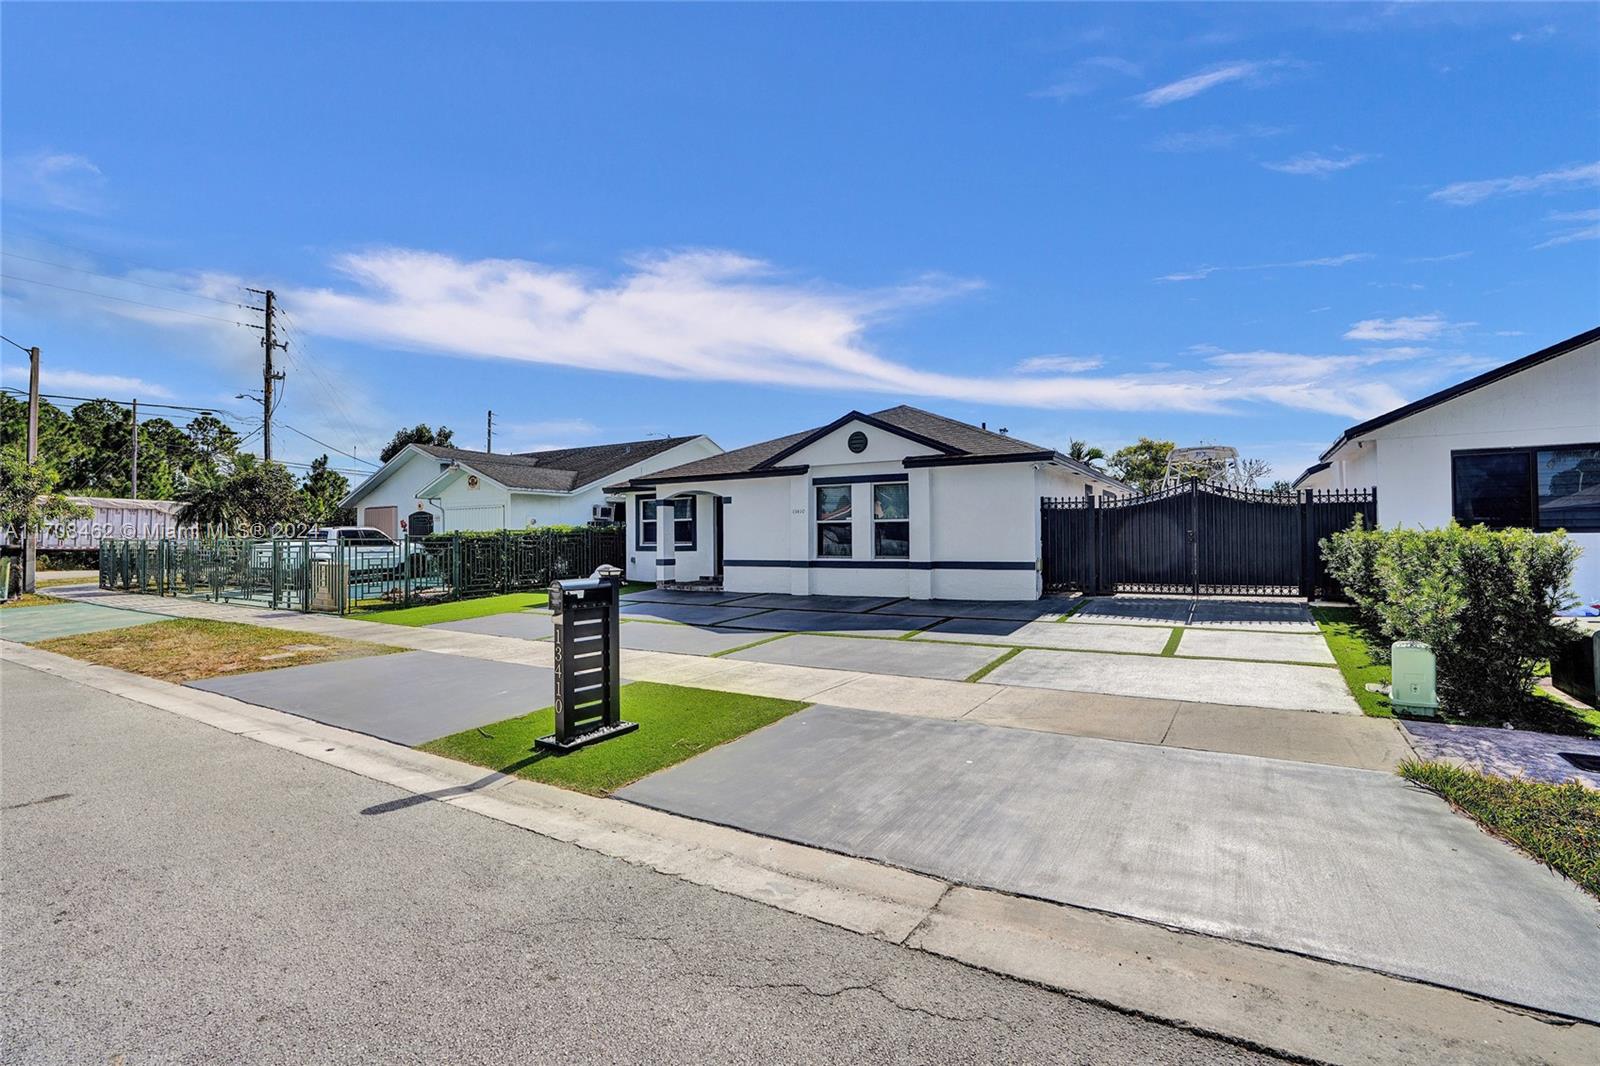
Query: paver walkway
point(1509, 752)
point(1348, 865)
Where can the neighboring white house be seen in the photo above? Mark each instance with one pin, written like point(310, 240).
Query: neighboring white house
point(902, 502)
point(1517, 446)
point(425, 488)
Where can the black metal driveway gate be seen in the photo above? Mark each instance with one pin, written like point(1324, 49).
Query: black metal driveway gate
point(1198, 539)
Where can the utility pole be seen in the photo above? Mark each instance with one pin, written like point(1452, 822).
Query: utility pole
point(135, 477)
point(268, 376)
point(30, 541)
point(488, 444)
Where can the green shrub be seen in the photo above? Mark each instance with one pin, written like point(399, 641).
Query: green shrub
point(1484, 600)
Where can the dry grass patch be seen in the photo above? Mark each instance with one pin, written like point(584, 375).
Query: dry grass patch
point(190, 649)
point(31, 599)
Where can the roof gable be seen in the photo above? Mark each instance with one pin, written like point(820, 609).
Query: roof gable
point(821, 433)
point(1499, 373)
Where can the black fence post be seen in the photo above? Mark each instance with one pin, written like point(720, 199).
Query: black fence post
point(1194, 536)
point(1307, 559)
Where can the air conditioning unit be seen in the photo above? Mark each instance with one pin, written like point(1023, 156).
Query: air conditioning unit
point(604, 512)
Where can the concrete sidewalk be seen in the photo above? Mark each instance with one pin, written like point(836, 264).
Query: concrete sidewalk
point(1334, 739)
point(1312, 1010)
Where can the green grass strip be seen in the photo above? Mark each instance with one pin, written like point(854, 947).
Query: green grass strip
point(1557, 824)
point(752, 644)
point(1341, 628)
point(983, 671)
point(1083, 601)
point(1172, 643)
point(454, 610)
point(675, 723)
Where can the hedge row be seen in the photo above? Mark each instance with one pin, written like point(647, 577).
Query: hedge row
point(1484, 600)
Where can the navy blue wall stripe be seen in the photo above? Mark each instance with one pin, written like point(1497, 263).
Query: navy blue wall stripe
point(888, 564)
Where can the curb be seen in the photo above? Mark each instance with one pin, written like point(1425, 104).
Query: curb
point(1304, 1008)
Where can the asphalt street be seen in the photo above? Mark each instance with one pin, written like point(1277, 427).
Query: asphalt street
point(175, 893)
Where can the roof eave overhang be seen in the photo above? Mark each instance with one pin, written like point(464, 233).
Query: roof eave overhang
point(645, 484)
point(856, 416)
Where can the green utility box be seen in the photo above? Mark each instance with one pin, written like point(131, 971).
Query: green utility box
point(1413, 679)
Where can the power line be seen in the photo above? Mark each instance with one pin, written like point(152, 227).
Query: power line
point(125, 300)
point(325, 444)
point(17, 346)
point(124, 403)
point(130, 281)
point(311, 366)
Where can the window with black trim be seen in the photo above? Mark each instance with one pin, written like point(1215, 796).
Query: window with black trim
point(683, 523)
point(647, 522)
point(1536, 488)
point(891, 525)
point(833, 522)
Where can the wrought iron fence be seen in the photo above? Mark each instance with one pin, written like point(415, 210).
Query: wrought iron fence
point(303, 574)
point(1196, 538)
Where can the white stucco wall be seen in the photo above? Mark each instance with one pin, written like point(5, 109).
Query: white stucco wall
point(1556, 402)
point(985, 515)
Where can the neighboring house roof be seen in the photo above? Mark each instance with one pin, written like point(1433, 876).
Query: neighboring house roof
point(956, 442)
point(1313, 469)
point(1499, 373)
point(555, 470)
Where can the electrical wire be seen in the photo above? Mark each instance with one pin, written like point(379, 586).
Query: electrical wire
point(333, 394)
point(125, 300)
point(17, 346)
point(130, 281)
point(325, 444)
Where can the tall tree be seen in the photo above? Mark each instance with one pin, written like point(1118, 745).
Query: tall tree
point(321, 492)
point(28, 494)
point(1142, 464)
point(421, 433)
point(1084, 452)
point(256, 499)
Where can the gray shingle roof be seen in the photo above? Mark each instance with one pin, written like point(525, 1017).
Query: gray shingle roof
point(957, 439)
point(559, 469)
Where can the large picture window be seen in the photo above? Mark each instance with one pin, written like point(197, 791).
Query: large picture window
point(1535, 488)
point(891, 528)
point(833, 522)
point(647, 522)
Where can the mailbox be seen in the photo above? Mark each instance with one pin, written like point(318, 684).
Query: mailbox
point(588, 662)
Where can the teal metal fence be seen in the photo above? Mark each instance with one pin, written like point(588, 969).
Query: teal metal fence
point(303, 574)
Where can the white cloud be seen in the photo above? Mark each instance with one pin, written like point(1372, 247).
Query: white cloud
point(1449, 257)
point(710, 315)
point(1086, 76)
point(64, 181)
point(1201, 273)
point(1405, 328)
point(1589, 231)
point(1210, 78)
point(1213, 138)
point(84, 383)
point(1313, 164)
point(1060, 364)
point(1464, 193)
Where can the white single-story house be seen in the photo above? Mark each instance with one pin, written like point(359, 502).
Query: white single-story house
point(900, 502)
point(425, 488)
point(1516, 446)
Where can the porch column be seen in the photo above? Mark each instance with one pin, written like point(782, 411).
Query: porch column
point(666, 565)
point(919, 501)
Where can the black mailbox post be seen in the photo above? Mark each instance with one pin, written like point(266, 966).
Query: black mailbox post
point(588, 663)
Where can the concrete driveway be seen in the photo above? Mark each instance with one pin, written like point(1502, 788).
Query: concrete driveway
point(1353, 866)
point(408, 698)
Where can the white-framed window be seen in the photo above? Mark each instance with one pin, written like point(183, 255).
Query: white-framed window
point(683, 522)
point(833, 522)
point(646, 537)
point(891, 520)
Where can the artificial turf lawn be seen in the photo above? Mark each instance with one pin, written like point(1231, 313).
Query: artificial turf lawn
point(190, 649)
point(1353, 651)
point(674, 724)
point(1557, 824)
point(457, 610)
point(1346, 638)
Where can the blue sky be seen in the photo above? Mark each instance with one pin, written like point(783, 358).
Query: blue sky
point(1233, 224)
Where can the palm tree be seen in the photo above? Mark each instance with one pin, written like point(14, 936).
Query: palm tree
point(1084, 452)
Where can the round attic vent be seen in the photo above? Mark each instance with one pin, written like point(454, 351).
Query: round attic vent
point(857, 442)
point(472, 481)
